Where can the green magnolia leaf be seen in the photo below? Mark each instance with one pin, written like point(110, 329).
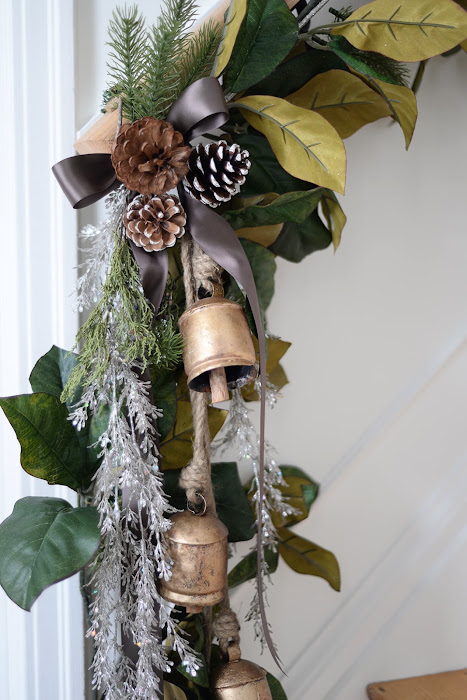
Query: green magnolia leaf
point(172, 692)
point(276, 349)
point(233, 21)
point(304, 142)
point(245, 570)
point(268, 33)
point(233, 506)
point(52, 371)
point(266, 174)
point(263, 267)
point(300, 492)
point(177, 448)
point(369, 63)
point(50, 449)
point(309, 558)
point(277, 691)
point(290, 75)
point(345, 100)
point(44, 541)
point(50, 375)
point(264, 235)
point(164, 389)
point(335, 217)
point(296, 241)
point(274, 209)
point(405, 31)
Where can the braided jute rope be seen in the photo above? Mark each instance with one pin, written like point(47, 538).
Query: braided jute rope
point(200, 271)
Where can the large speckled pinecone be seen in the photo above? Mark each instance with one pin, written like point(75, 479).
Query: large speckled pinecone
point(155, 223)
point(217, 171)
point(149, 156)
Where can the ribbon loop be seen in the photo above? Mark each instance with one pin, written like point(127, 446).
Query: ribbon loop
point(200, 108)
point(86, 179)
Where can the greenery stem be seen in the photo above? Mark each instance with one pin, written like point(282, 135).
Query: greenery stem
point(418, 76)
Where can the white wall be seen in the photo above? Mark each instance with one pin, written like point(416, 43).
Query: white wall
point(376, 406)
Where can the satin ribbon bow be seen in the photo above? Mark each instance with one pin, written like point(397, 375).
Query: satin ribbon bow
point(86, 179)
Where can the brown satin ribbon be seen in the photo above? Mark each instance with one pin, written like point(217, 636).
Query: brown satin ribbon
point(200, 108)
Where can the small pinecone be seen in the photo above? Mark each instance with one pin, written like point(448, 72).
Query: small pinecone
point(149, 156)
point(217, 171)
point(155, 223)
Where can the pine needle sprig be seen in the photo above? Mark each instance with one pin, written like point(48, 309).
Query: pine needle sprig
point(167, 42)
point(128, 57)
point(199, 54)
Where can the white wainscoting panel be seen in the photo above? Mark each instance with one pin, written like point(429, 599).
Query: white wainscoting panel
point(41, 654)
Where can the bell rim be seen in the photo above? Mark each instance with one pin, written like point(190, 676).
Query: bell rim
point(191, 599)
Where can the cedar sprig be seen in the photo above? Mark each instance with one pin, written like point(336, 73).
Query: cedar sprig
point(124, 307)
point(199, 54)
point(127, 64)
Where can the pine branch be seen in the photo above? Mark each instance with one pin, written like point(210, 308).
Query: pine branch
point(167, 40)
point(199, 54)
point(128, 57)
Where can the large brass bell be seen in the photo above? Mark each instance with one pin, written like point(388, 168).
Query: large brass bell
point(217, 339)
point(197, 544)
point(240, 680)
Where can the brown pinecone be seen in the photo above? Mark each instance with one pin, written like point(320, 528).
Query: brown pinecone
point(155, 223)
point(149, 156)
point(217, 171)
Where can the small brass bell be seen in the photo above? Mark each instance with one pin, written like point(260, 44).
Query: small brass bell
point(240, 680)
point(197, 544)
point(217, 339)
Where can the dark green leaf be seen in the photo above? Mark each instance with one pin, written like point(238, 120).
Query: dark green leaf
point(296, 241)
point(267, 34)
point(275, 209)
point(233, 507)
point(44, 541)
point(263, 267)
point(309, 558)
point(277, 691)
point(50, 449)
point(51, 373)
point(164, 388)
point(266, 174)
point(291, 75)
point(369, 63)
point(246, 568)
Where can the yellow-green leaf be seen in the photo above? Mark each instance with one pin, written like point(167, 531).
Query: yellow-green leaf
point(276, 350)
point(305, 144)
point(463, 45)
point(264, 235)
point(402, 103)
point(177, 448)
point(300, 492)
point(235, 15)
point(309, 558)
point(173, 692)
point(343, 99)
point(335, 217)
point(410, 30)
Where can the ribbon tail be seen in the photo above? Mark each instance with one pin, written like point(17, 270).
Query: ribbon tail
point(153, 270)
point(217, 239)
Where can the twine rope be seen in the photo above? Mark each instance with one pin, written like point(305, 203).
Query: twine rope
point(226, 626)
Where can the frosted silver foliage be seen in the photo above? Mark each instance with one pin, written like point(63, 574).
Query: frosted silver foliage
point(241, 433)
point(96, 244)
point(133, 509)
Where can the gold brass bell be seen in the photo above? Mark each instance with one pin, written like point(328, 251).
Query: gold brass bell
point(216, 339)
point(240, 680)
point(197, 544)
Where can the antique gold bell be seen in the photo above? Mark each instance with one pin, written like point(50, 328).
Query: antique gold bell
point(240, 680)
point(217, 339)
point(197, 544)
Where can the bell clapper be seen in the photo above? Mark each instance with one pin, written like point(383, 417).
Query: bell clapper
point(218, 384)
